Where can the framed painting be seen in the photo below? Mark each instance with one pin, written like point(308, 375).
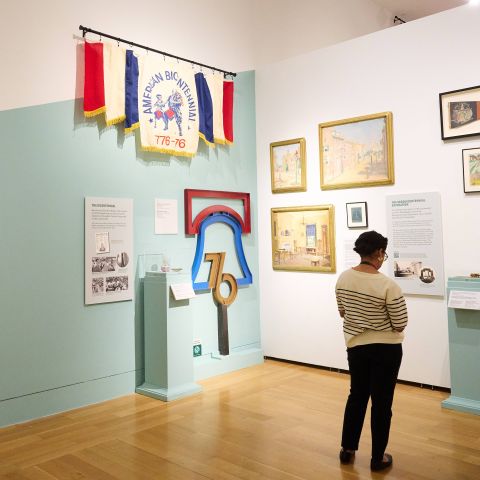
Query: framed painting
point(471, 170)
point(287, 166)
point(303, 238)
point(460, 113)
point(357, 215)
point(356, 152)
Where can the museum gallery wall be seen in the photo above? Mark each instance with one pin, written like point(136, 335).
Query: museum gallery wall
point(380, 76)
point(62, 353)
point(58, 170)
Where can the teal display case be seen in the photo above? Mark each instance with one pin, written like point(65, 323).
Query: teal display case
point(168, 332)
point(464, 344)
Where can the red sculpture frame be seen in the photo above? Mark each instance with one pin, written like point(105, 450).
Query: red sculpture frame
point(192, 227)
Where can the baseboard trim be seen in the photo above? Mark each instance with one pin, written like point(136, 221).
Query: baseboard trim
point(462, 404)
point(340, 370)
point(60, 399)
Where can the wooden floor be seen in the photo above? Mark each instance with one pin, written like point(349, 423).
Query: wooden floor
point(275, 421)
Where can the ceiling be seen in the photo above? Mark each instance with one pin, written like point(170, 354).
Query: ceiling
point(412, 9)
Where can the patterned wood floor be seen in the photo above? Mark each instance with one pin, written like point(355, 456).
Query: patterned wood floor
point(274, 421)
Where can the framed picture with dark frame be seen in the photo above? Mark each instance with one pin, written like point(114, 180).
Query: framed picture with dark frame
point(303, 238)
point(287, 166)
point(471, 170)
point(357, 215)
point(460, 113)
point(357, 152)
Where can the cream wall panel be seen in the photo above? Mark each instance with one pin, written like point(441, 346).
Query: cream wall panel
point(401, 70)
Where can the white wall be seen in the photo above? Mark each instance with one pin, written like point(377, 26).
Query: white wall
point(39, 39)
point(401, 70)
point(284, 28)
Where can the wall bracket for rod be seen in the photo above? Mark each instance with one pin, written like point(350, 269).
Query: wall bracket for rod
point(86, 30)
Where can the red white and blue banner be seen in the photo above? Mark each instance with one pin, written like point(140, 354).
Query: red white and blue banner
point(168, 107)
point(215, 85)
point(114, 83)
point(171, 104)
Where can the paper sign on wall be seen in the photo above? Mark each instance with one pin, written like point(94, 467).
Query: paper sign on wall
point(166, 216)
point(108, 250)
point(415, 242)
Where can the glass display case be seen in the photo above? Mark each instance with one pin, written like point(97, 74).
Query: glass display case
point(179, 261)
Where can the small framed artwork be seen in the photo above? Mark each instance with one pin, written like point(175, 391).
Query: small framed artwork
point(357, 215)
point(303, 238)
point(357, 152)
point(460, 113)
point(471, 170)
point(287, 166)
point(102, 242)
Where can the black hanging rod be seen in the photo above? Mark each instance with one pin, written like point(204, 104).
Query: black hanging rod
point(396, 19)
point(86, 30)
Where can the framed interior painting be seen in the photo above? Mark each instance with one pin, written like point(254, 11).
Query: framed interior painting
point(303, 238)
point(357, 215)
point(357, 152)
point(460, 113)
point(287, 166)
point(471, 170)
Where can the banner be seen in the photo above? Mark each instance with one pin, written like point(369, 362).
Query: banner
point(131, 92)
point(168, 107)
point(215, 85)
point(114, 83)
point(205, 109)
point(93, 93)
point(228, 88)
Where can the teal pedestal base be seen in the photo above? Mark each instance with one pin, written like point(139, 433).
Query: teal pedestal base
point(169, 394)
point(168, 339)
point(464, 346)
point(462, 405)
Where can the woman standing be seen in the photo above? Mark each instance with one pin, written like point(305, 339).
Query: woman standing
point(374, 316)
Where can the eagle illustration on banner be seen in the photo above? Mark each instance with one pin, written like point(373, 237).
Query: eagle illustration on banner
point(167, 107)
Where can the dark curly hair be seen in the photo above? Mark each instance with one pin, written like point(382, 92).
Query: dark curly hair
point(369, 242)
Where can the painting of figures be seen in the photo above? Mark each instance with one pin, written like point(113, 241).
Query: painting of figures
point(460, 113)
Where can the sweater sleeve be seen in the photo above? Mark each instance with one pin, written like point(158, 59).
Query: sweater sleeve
point(340, 306)
point(396, 307)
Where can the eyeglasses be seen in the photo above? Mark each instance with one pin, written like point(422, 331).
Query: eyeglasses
point(385, 256)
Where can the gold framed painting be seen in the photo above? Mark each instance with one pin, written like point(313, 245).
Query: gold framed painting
point(357, 152)
point(471, 170)
point(287, 166)
point(303, 238)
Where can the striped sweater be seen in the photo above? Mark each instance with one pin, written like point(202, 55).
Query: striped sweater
point(373, 308)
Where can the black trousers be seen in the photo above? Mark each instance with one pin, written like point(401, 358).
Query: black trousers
point(373, 373)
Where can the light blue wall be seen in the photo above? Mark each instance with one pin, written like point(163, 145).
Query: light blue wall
point(55, 352)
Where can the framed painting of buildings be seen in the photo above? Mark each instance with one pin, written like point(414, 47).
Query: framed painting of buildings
point(357, 152)
point(460, 113)
point(471, 170)
point(303, 238)
point(287, 166)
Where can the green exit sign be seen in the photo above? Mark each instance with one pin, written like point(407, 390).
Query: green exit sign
point(197, 349)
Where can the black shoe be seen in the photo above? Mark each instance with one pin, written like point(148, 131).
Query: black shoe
point(346, 457)
point(377, 465)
